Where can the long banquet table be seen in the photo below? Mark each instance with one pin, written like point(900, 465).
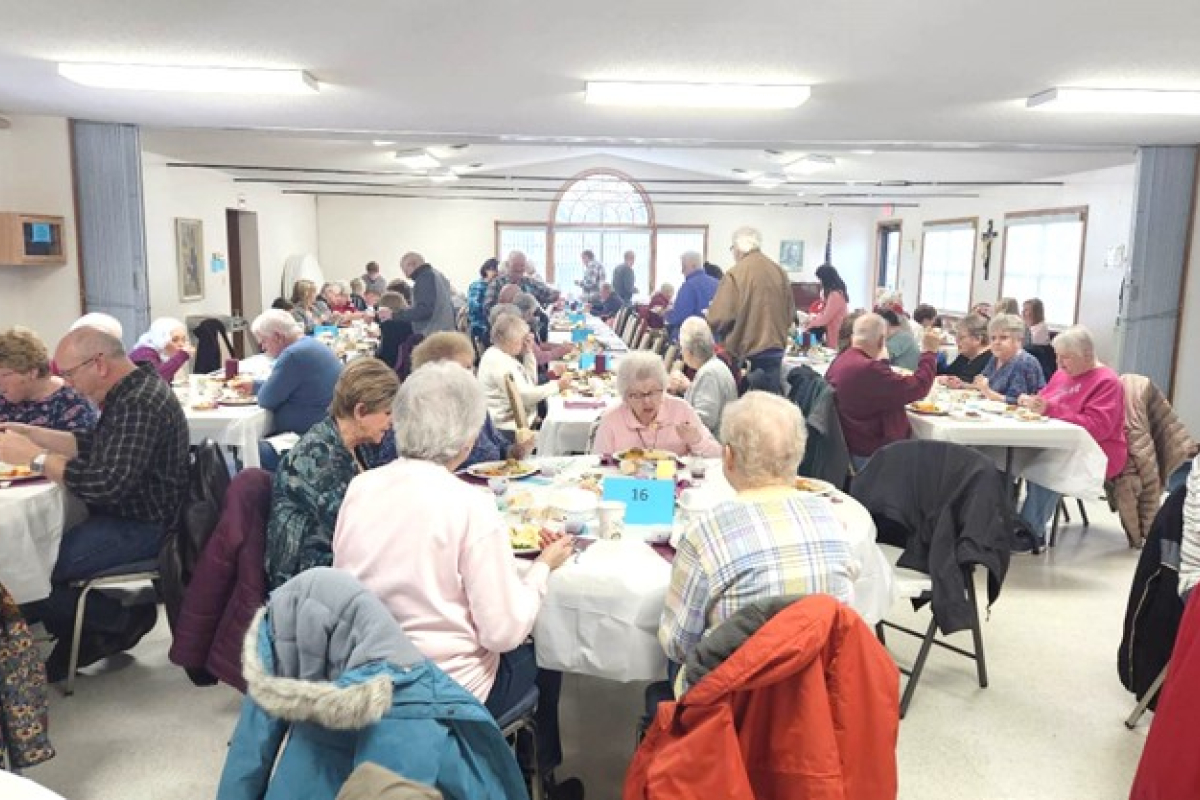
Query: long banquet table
point(601, 612)
point(31, 528)
point(569, 420)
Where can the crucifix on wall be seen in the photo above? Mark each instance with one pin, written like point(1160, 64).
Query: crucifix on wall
point(988, 237)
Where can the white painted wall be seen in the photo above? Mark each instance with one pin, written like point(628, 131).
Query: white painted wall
point(287, 225)
point(1108, 194)
point(457, 236)
point(1186, 381)
point(35, 177)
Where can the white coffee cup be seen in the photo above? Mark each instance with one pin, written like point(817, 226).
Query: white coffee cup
point(612, 519)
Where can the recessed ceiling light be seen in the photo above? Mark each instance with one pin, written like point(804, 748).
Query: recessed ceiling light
point(444, 176)
point(767, 181)
point(382, 143)
point(231, 80)
point(417, 159)
point(1116, 101)
point(863, 152)
point(695, 95)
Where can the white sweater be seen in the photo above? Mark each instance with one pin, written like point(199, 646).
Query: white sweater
point(494, 365)
point(1189, 555)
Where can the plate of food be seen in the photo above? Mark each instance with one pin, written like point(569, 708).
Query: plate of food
point(815, 486)
point(15, 473)
point(968, 415)
point(512, 469)
point(237, 400)
point(926, 408)
point(1025, 415)
point(525, 539)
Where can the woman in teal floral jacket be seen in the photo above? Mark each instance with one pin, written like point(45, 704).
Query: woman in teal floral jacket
point(311, 481)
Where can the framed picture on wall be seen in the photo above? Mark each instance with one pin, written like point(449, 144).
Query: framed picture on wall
point(189, 250)
point(791, 254)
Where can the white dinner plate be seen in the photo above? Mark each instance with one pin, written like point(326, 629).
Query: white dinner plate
point(486, 469)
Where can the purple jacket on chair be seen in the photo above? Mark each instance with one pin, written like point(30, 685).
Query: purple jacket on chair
point(229, 584)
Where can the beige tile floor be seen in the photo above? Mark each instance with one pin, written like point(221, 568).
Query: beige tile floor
point(1048, 726)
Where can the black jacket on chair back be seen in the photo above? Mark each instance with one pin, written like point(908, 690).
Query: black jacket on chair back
point(1154, 611)
point(208, 480)
point(952, 508)
point(209, 335)
point(826, 455)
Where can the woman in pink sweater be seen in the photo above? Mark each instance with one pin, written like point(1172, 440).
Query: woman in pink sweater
point(436, 551)
point(1087, 394)
point(837, 304)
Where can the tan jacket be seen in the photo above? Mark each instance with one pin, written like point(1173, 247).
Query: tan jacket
point(1158, 444)
point(753, 308)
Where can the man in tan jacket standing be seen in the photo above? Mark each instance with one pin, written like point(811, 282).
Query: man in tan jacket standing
point(753, 311)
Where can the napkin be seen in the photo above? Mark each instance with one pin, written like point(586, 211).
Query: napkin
point(584, 404)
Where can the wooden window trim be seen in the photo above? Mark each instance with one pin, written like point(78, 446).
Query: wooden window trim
point(974, 223)
point(1082, 211)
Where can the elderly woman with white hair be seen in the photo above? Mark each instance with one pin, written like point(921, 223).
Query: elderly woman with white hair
point(165, 345)
point(1013, 371)
point(533, 314)
point(712, 386)
point(300, 388)
point(511, 354)
point(1088, 394)
point(444, 565)
point(648, 418)
point(771, 540)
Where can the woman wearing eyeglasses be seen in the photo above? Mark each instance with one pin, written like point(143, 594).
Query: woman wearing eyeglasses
point(648, 418)
point(30, 394)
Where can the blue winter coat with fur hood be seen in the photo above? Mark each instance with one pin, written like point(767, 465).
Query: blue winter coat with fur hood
point(328, 669)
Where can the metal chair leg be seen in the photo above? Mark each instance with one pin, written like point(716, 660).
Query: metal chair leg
point(1147, 699)
point(879, 634)
point(918, 665)
point(1054, 527)
point(1083, 512)
point(1065, 512)
point(76, 637)
point(976, 633)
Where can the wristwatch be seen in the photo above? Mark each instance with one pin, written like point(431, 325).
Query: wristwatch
point(38, 465)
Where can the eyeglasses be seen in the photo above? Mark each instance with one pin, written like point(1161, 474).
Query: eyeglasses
point(67, 374)
point(637, 397)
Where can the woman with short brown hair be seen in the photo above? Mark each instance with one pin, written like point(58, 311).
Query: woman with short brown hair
point(30, 394)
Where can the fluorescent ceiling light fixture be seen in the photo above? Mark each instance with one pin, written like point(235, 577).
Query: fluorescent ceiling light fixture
point(229, 80)
point(443, 177)
point(695, 95)
point(417, 159)
point(382, 143)
point(1116, 101)
point(863, 152)
point(767, 181)
point(810, 165)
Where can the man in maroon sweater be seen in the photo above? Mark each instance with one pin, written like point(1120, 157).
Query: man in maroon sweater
point(870, 395)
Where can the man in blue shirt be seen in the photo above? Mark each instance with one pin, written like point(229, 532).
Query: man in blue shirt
point(300, 388)
point(694, 295)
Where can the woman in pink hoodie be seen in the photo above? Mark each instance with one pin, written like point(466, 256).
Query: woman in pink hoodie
point(1087, 394)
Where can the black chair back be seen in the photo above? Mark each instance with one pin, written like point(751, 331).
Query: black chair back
point(1044, 353)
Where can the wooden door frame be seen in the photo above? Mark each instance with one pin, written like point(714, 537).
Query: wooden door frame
point(880, 225)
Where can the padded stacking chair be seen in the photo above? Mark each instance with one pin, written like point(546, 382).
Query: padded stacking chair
point(518, 723)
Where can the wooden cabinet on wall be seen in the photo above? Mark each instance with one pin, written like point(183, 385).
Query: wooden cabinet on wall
point(31, 240)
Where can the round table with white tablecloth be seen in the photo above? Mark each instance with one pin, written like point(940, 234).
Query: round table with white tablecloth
point(31, 528)
point(601, 612)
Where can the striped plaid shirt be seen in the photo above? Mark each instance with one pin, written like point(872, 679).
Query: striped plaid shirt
point(766, 543)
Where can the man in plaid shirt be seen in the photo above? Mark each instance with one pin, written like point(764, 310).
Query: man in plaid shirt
point(515, 269)
point(770, 541)
point(131, 473)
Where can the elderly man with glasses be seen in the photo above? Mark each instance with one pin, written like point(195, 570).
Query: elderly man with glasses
point(131, 473)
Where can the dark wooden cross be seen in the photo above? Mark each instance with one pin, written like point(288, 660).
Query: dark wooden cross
point(988, 236)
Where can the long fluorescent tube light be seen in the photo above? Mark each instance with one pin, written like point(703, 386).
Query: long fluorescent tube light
point(417, 159)
point(1116, 101)
point(695, 95)
point(228, 80)
point(767, 181)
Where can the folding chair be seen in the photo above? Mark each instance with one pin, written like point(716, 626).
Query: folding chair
point(1061, 508)
point(670, 356)
point(514, 400)
point(914, 585)
point(629, 334)
point(518, 722)
point(1147, 699)
point(618, 323)
point(126, 573)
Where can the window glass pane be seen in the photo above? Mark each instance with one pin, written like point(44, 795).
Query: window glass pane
point(602, 200)
point(1041, 259)
point(947, 259)
point(530, 240)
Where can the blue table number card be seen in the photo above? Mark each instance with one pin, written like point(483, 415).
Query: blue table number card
point(580, 334)
point(647, 502)
point(323, 329)
point(587, 361)
point(576, 319)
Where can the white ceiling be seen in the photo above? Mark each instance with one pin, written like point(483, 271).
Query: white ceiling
point(507, 75)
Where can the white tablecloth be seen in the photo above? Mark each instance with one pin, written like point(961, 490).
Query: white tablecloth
point(601, 613)
point(231, 426)
point(1056, 454)
point(606, 336)
point(31, 527)
point(565, 430)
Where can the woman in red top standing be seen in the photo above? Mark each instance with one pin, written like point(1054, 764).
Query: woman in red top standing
point(836, 305)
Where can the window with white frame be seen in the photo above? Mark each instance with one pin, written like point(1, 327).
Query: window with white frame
point(673, 243)
point(947, 262)
point(1043, 256)
point(529, 239)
